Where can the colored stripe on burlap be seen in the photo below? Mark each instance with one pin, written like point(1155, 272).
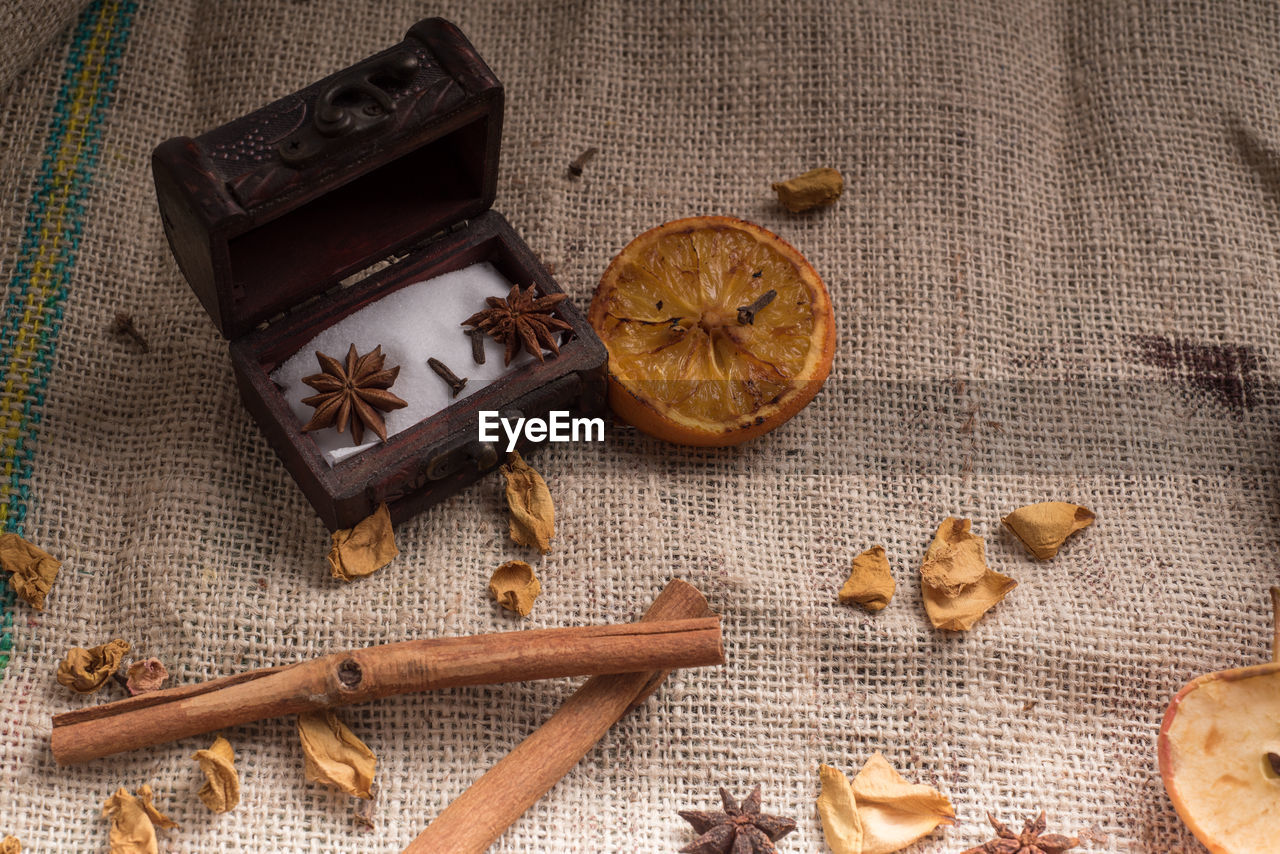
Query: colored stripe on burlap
point(45, 261)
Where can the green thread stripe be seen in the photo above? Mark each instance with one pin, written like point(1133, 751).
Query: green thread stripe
point(32, 316)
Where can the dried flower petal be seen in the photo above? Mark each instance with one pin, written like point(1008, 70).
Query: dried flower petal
point(221, 791)
point(1044, 527)
point(841, 824)
point(955, 559)
point(335, 757)
point(10, 845)
point(880, 812)
point(365, 548)
point(146, 675)
point(959, 613)
point(33, 569)
point(515, 587)
point(134, 821)
point(86, 670)
point(957, 584)
point(870, 583)
point(896, 813)
point(533, 516)
point(810, 190)
point(158, 818)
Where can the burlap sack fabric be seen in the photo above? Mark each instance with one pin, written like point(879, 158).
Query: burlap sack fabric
point(1055, 273)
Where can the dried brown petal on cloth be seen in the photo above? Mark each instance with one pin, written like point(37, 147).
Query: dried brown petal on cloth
point(146, 675)
point(1044, 527)
point(959, 613)
point(515, 587)
point(812, 189)
point(957, 584)
point(86, 670)
point(134, 822)
point(870, 583)
point(10, 845)
point(158, 818)
point(364, 549)
point(955, 559)
point(894, 812)
point(221, 791)
point(33, 569)
point(335, 757)
point(880, 812)
point(841, 824)
point(533, 516)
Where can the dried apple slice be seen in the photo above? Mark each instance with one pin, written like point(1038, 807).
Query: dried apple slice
point(1219, 751)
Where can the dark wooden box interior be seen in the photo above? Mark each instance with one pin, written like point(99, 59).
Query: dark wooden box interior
point(440, 455)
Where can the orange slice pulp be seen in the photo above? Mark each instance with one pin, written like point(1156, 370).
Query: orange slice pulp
point(718, 331)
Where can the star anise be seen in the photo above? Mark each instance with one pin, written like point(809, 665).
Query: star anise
point(1032, 840)
point(521, 319)
point(737, 829)
point(352, 392)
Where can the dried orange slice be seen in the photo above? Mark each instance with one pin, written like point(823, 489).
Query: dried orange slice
point(718, 331)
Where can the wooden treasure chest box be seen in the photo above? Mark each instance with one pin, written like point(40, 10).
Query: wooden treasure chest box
point(356, 212)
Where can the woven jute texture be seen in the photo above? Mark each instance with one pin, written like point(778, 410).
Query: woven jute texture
point(1055, 273)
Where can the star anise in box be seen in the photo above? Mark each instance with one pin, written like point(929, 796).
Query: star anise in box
point(522, 319)
point(737, 829)
point(1032, 840)
point(353, 392)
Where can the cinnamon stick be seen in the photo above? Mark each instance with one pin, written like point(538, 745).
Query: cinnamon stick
point(368, 674)
point(483, 812)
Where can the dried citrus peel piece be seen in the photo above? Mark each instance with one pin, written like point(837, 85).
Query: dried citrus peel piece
point(1044, 527)
point(881, 812)
point(957, 585)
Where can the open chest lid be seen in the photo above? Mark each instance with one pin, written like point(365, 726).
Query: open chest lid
point(280, 205)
